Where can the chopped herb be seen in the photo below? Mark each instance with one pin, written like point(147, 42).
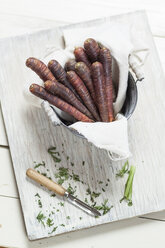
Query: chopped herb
point(37, 195)
point(47, 169)
point(63, 172)
point(72, 227)
point(40, 217)
point(58, 210)
point(86, 200)
point(123, 170)
point(76, 177)
point(62, 225)
point(108, 180)
point(100, 182)
point(39, 203)
point(61, 204)
point(68, 217)
point(71, 190)
point(52, 212)
point(80, 218)
point(94, 204)
point(39, 164)
point(88, 191)
point(83, 163)
point(54, 229)
point(72, 164)
point(44, 174)
point(104, 207)
point(67, 157)
point(106, 184)
point(60, 181)
point(92, 194)
point(53, 195)
point(52, 151)
point(128, 186)
point(103, 189)
point(49, 222)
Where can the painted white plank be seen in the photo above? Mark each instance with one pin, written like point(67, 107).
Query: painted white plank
point(12, 25)
point(35, 135)
point(7, 179)
point(63, 10)
point(3, 137)
point(160, 45)
point(133, 232)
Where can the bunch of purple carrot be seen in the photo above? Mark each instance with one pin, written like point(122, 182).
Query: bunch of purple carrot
point(83, 88)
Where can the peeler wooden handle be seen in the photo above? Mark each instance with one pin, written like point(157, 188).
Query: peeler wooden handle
point(49, 184)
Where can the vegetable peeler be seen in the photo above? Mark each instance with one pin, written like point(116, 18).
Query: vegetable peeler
point(58, 189)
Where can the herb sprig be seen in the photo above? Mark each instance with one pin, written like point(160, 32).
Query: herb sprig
point(41, 217)
point(54, 154)
point(125, 169)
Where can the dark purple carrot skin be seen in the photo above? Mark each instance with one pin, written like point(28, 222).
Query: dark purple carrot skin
point(81, 56)
point(92, 49)
point(70, 65)
point(67, 95)
point(60, 74)
point(81, 89)
point(106, 60)
point(40, 92)
point(40, 69)
point(99, 84)
point(84, 73)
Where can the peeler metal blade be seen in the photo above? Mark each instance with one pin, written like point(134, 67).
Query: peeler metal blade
point(82, 205)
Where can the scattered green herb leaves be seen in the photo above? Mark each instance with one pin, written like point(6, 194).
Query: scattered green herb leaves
point(75, 177)
point(49, 222)
point(39, 203)
point(37, 195)
point(54, 229)
point(53, 195)
point(52, 151)
point(71, 190)
point(40, 217)
point(123, 170)
point(39, 164)
point(61, 204)
point(92, 194)
point(104, 207)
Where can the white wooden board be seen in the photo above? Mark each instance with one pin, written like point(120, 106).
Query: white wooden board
point(30, 135)
point(3, 138)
